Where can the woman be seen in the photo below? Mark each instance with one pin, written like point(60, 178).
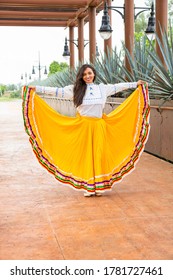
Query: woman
point(90, 151)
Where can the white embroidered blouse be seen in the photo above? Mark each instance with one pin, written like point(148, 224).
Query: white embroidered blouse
point(94, 99)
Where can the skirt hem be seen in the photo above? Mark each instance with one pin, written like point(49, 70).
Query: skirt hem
point(105, 182)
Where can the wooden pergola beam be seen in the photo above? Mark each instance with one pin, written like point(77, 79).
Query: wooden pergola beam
point(45, 23)
point(68, 3)
point(55, 13)
point(27, 14)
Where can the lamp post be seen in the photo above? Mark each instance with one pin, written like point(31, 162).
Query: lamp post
point(150, 31)
point(106, 29)
point(97, 51)
point(66, 52)
point(26, 77)
point(39, 67)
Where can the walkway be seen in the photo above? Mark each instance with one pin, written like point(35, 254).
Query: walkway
point(41, 219)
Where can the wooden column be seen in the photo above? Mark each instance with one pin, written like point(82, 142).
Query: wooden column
point(72, 46)
point(81, 39)
point(129, 28)
point(161, 21)
point(92, 34)
point(108, 43)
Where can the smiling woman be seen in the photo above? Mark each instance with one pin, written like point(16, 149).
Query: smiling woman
point(90, 151)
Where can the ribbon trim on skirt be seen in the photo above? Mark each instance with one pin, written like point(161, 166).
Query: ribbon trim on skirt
point(84, 152)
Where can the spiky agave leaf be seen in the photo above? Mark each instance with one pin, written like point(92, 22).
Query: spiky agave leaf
point(141, 67)
point(61, 79)
point(108, 67)
point(163, 79)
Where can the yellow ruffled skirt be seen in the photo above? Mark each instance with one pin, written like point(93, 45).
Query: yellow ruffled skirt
point(88, 153)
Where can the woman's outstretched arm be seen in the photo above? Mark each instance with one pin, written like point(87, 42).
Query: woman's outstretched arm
point(65, 92)
point(113, 89)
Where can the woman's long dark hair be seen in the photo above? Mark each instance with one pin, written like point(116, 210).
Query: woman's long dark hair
point(80, 86)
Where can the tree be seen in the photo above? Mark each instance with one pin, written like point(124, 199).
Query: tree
point(140, 24)
point(2, 89)
point(11, 87)
point(170, 4)
point(170, 9)
point(57, 67)
point(142, 21)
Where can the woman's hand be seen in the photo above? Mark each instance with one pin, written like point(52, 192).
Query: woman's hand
point(33, 87)
point(140, 82)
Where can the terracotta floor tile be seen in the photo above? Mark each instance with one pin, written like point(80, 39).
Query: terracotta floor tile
point(43, 219)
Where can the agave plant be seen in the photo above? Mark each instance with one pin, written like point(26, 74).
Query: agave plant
point(162, 81)
point(61, 79)
point(112, 70)
point(108, 67)
point(141, 66)
point(145, 64)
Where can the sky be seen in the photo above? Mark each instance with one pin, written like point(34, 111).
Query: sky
point(20, 46)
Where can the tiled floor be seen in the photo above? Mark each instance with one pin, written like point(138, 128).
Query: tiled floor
point(41, 219)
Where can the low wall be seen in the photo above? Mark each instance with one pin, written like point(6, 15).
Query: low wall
point(63, 106)
point(160, 141)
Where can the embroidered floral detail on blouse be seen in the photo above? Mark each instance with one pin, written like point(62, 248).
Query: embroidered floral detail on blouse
point(91, 93)
point(62, 92)
point(56, 91)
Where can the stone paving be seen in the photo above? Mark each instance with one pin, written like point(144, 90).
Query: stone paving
point(41, 219)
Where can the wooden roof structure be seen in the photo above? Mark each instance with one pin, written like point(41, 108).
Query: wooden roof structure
point(75, 13)
point(58, 13)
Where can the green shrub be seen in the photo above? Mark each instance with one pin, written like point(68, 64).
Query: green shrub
point(15, 94)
